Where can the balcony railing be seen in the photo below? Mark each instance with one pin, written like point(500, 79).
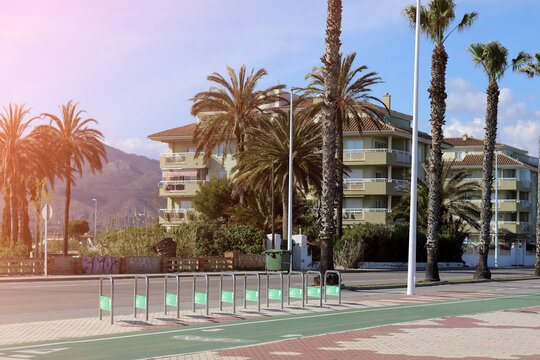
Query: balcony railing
point(360, 154)
point(359, 184)
point(174, 214)
point(359, 213)
point(177, 158)
point(179, 185)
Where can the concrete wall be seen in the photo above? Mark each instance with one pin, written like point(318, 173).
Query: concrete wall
point(143, 264)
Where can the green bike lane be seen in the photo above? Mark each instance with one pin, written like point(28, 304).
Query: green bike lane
point(198, 338)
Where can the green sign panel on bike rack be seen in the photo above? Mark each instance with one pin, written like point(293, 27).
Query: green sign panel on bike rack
point(332, 290)
point(274, 294)
point(252, 295)
point(140, 301)
point(105, 303)
point(171, 299)
point(227, 296)
point(296, 293)
point(314, 291)
point(200, 298)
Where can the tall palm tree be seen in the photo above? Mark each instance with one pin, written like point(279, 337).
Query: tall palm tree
point(331, 62)
point(229, 108)
point(455, 200)
point(16, 150)
point(77, 144)
point(271, 145)
point(435, 21)
point(354, 104)
point(530, 65)
point(492, 57)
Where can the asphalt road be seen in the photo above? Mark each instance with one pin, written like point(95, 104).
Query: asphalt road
point(24, 301)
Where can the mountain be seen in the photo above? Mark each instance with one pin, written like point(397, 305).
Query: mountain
point(128, 185)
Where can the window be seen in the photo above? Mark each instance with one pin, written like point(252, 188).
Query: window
point(222, 174)
point(379, 204)
point(379, 175)
point(378, 144)
point(185, 204)
point(509, 173)
point(458, 155)
point(355, 144)
point(191, 149)
point(219, 149)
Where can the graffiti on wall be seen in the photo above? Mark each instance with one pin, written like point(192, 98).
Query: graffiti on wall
point(100, 265)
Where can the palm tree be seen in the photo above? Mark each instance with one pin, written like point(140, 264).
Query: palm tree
point(435, 21)
point(270, 145)
point(77, 144)
point(493, 58)
point(331, 62)
point(354, 104)
point(16, 150)
point(530, 65)
point(455, 200)
point(229, 108)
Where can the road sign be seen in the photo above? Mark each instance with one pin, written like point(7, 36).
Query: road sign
point(46, 215)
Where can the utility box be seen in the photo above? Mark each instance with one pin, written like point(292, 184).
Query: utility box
point(301, 259)
point(269, 241)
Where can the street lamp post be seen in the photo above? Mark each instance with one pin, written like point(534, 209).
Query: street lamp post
point(95, 219)
point(289, 213)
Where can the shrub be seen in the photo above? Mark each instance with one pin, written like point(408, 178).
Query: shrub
point(242, 238)
point(133, 241)
point(14, 251)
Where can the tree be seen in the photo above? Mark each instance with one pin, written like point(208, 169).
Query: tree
point(492, 57)
point(455, 200)
point(77, 144)
point(271, 145)
point(214, 200)
point(78, 228)
point(354, 104)
point(435, 21)
point(530, 65)
point(17, 153)
point(228, 109)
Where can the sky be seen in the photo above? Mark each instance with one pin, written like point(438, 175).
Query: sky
point(134, 65)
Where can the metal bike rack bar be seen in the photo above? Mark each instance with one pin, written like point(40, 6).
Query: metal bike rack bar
point(332, 290)
point(227, 296)
point(274, 294)
point(198, 297)
point(140, 301)
point(314, 291)
point(169, 298)
point(252, 295)
point(297, 293)
point(106, 303)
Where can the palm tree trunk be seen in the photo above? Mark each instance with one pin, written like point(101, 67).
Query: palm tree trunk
point(6, 219)
point(339, 178)
point(482, 271)
point(331, 61)
point(537, 264)
point(285, 216)
point(437, 93)
point(66, 211)
point(14, 231)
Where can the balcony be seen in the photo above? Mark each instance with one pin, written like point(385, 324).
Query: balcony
point(184, 160)
point(376, 157)
point(516, 227)
point(179, 188)
point(508, 205)
point(173, 216)
point(507, 183)
point(375, 186)
point(364, 215)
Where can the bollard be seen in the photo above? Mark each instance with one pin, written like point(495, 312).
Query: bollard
point(140, 301)
point(252, 295)
point(274, 294)
point(332, 290)
point(106, 303)
point(169, 298)
point(199, 297)
point(227, 296)
point(297, 293)
point(314, 291)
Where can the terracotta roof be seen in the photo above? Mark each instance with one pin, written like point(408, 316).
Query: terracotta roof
point(377, 125)
point(465, 141)
point(477, 160)
point(186, 130)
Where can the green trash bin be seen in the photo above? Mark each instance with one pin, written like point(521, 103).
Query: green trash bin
point(278, 260)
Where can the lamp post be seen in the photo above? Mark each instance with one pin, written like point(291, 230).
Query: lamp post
point(95, 219)
point(411, 276)
point(289, 213)
point(496, 208)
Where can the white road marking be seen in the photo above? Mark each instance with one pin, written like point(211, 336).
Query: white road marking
point(291, 335)
point(209, 339)
point(211, 330)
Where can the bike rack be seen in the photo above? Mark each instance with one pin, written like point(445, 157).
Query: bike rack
point(200, 298)
point(169, 298)
point(105, 302)
point(140, 301)
point(332, 290)
point(252, 295)
point(274, 294)
point(297, 293)
point(314, 291)
point(227, 296)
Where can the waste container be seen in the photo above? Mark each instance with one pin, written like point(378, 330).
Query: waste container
point(277, 260)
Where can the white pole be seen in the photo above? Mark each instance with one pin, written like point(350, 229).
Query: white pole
point(289, 213)
point(46, 221)
point(95, 219)
point(496, 209)
point(411, 277)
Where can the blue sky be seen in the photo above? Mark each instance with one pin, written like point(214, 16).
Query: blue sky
point(134, 65)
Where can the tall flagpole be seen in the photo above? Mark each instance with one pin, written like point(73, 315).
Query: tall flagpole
point(289, 213)
point(411, 278)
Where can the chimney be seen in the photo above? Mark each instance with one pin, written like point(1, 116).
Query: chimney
point(386, 100)
point(465, 137)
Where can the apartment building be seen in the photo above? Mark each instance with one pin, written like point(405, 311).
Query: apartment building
point(379, 159)
point(515, 182)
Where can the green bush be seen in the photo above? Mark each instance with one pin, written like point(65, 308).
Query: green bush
point(133, 241)
point(194, 238)
point(16, 251)
point(242, 238)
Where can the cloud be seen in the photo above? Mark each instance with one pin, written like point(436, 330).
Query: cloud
point(464, 98)
point(456, 128)
point(148, 148)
